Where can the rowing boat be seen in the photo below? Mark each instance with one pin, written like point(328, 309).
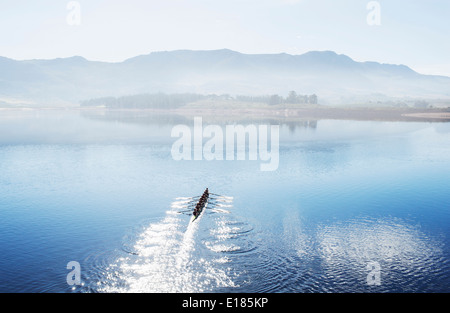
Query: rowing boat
point(196, 216)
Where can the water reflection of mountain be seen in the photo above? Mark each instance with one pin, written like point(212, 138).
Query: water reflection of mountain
point(156, 118)
point(142, 117)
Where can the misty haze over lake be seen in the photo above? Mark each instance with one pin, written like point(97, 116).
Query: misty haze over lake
point(224, 147)
point(335, 78)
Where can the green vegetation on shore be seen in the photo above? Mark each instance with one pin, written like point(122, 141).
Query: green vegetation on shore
point(174, 101)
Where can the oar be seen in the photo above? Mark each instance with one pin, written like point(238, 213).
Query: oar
point(213, 210)
point(184, 211)
point(215, 194)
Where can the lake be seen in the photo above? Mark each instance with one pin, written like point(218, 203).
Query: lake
point(353, 206)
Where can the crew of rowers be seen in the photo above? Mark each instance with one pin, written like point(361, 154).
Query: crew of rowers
point(201, 203)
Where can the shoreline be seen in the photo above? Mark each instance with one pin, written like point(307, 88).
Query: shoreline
point(290, 113)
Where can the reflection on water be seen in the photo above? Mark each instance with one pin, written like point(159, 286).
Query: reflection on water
point(401, 249)
point(175, 255)
point(114, 126)
point(101, 188)
point(97, 126)
point(162, 119)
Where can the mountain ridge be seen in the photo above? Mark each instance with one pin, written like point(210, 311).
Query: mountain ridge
point(330, 75)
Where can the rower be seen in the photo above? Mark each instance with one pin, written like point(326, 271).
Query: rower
point(201, 202)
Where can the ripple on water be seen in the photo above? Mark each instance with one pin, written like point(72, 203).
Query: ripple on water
point(402, 251)
point(334, 257)
point(173, 255)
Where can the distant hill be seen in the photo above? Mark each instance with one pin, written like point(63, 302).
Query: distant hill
point(333, 77)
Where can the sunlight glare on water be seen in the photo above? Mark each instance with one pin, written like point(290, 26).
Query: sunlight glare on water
point(166, 258)
point(346, 194)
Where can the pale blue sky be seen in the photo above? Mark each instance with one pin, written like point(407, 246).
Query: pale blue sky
point(412, 32)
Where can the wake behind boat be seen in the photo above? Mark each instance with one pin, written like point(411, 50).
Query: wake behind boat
point(201, 205)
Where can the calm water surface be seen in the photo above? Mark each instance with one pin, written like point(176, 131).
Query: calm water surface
point(103, 190)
